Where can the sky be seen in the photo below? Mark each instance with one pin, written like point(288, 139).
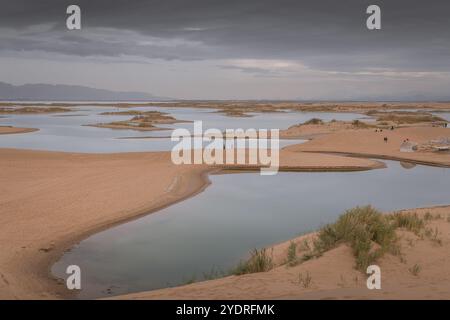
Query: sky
point(246, 49)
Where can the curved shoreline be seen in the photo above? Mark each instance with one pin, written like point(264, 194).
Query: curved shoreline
point(202, 182)
point(333, 273)
point(35, 274)
point(383, 157)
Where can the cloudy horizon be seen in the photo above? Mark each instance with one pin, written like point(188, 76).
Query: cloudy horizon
point(206, 49)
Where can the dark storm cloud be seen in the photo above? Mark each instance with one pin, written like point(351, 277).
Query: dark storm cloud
point(323, 34)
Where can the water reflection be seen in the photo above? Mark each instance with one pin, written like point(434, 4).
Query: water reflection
point(237, 213)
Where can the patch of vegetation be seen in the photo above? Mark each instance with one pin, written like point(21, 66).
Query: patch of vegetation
point(433, 235)
point(410, 222)
point(314, 121)
point(409, 118)
point(292, 258)
point(309, 252)
point(361, 228)
point(360, 125)
point(304, 279)
point(259, 261)
point(415, 270)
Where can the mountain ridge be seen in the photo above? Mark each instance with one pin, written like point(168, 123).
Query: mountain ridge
point(61, 92)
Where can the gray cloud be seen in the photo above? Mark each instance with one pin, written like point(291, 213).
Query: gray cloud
point(324, 34)
point(325, 41)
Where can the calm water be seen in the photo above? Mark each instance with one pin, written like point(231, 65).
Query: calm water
point(65, 132)
point(238, 212)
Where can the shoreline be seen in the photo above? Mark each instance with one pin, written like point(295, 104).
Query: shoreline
point(123, 180)
point(203, 183)
point(383, 157)
point(34, 279)
point(26, 263)
point(333, 273)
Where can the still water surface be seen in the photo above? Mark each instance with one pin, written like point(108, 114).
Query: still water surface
point(235, 214)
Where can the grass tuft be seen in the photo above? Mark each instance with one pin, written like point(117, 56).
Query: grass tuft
point(304, 280)
point(292, 258)
point(410, 222)
point(259, 261)
point(415, 270)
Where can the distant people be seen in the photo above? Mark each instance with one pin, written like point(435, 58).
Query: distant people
point(385, 139)
point(392, 128)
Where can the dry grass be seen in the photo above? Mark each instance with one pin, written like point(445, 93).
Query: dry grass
point(314, 121)
point(259, 261)
point(369, 233)
point(304, 280)
point(415, 270)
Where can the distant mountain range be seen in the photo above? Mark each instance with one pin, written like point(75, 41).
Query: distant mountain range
point(69, 93)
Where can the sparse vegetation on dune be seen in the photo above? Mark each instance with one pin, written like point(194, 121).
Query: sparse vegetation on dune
point(415, 270)
point(369, 233)
point(305, 280)
point(259, 261)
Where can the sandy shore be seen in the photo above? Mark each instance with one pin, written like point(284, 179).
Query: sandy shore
point(333, 275)
point(52, 200)
point(368, 143)
point(13, 130)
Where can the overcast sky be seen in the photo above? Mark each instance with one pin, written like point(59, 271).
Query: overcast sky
point(208, 49)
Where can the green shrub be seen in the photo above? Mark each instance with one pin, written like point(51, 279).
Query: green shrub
point(292, 258)
point(361, 228)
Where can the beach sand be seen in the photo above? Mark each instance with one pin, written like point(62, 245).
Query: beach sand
point(14, 130)
point(368, 143)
